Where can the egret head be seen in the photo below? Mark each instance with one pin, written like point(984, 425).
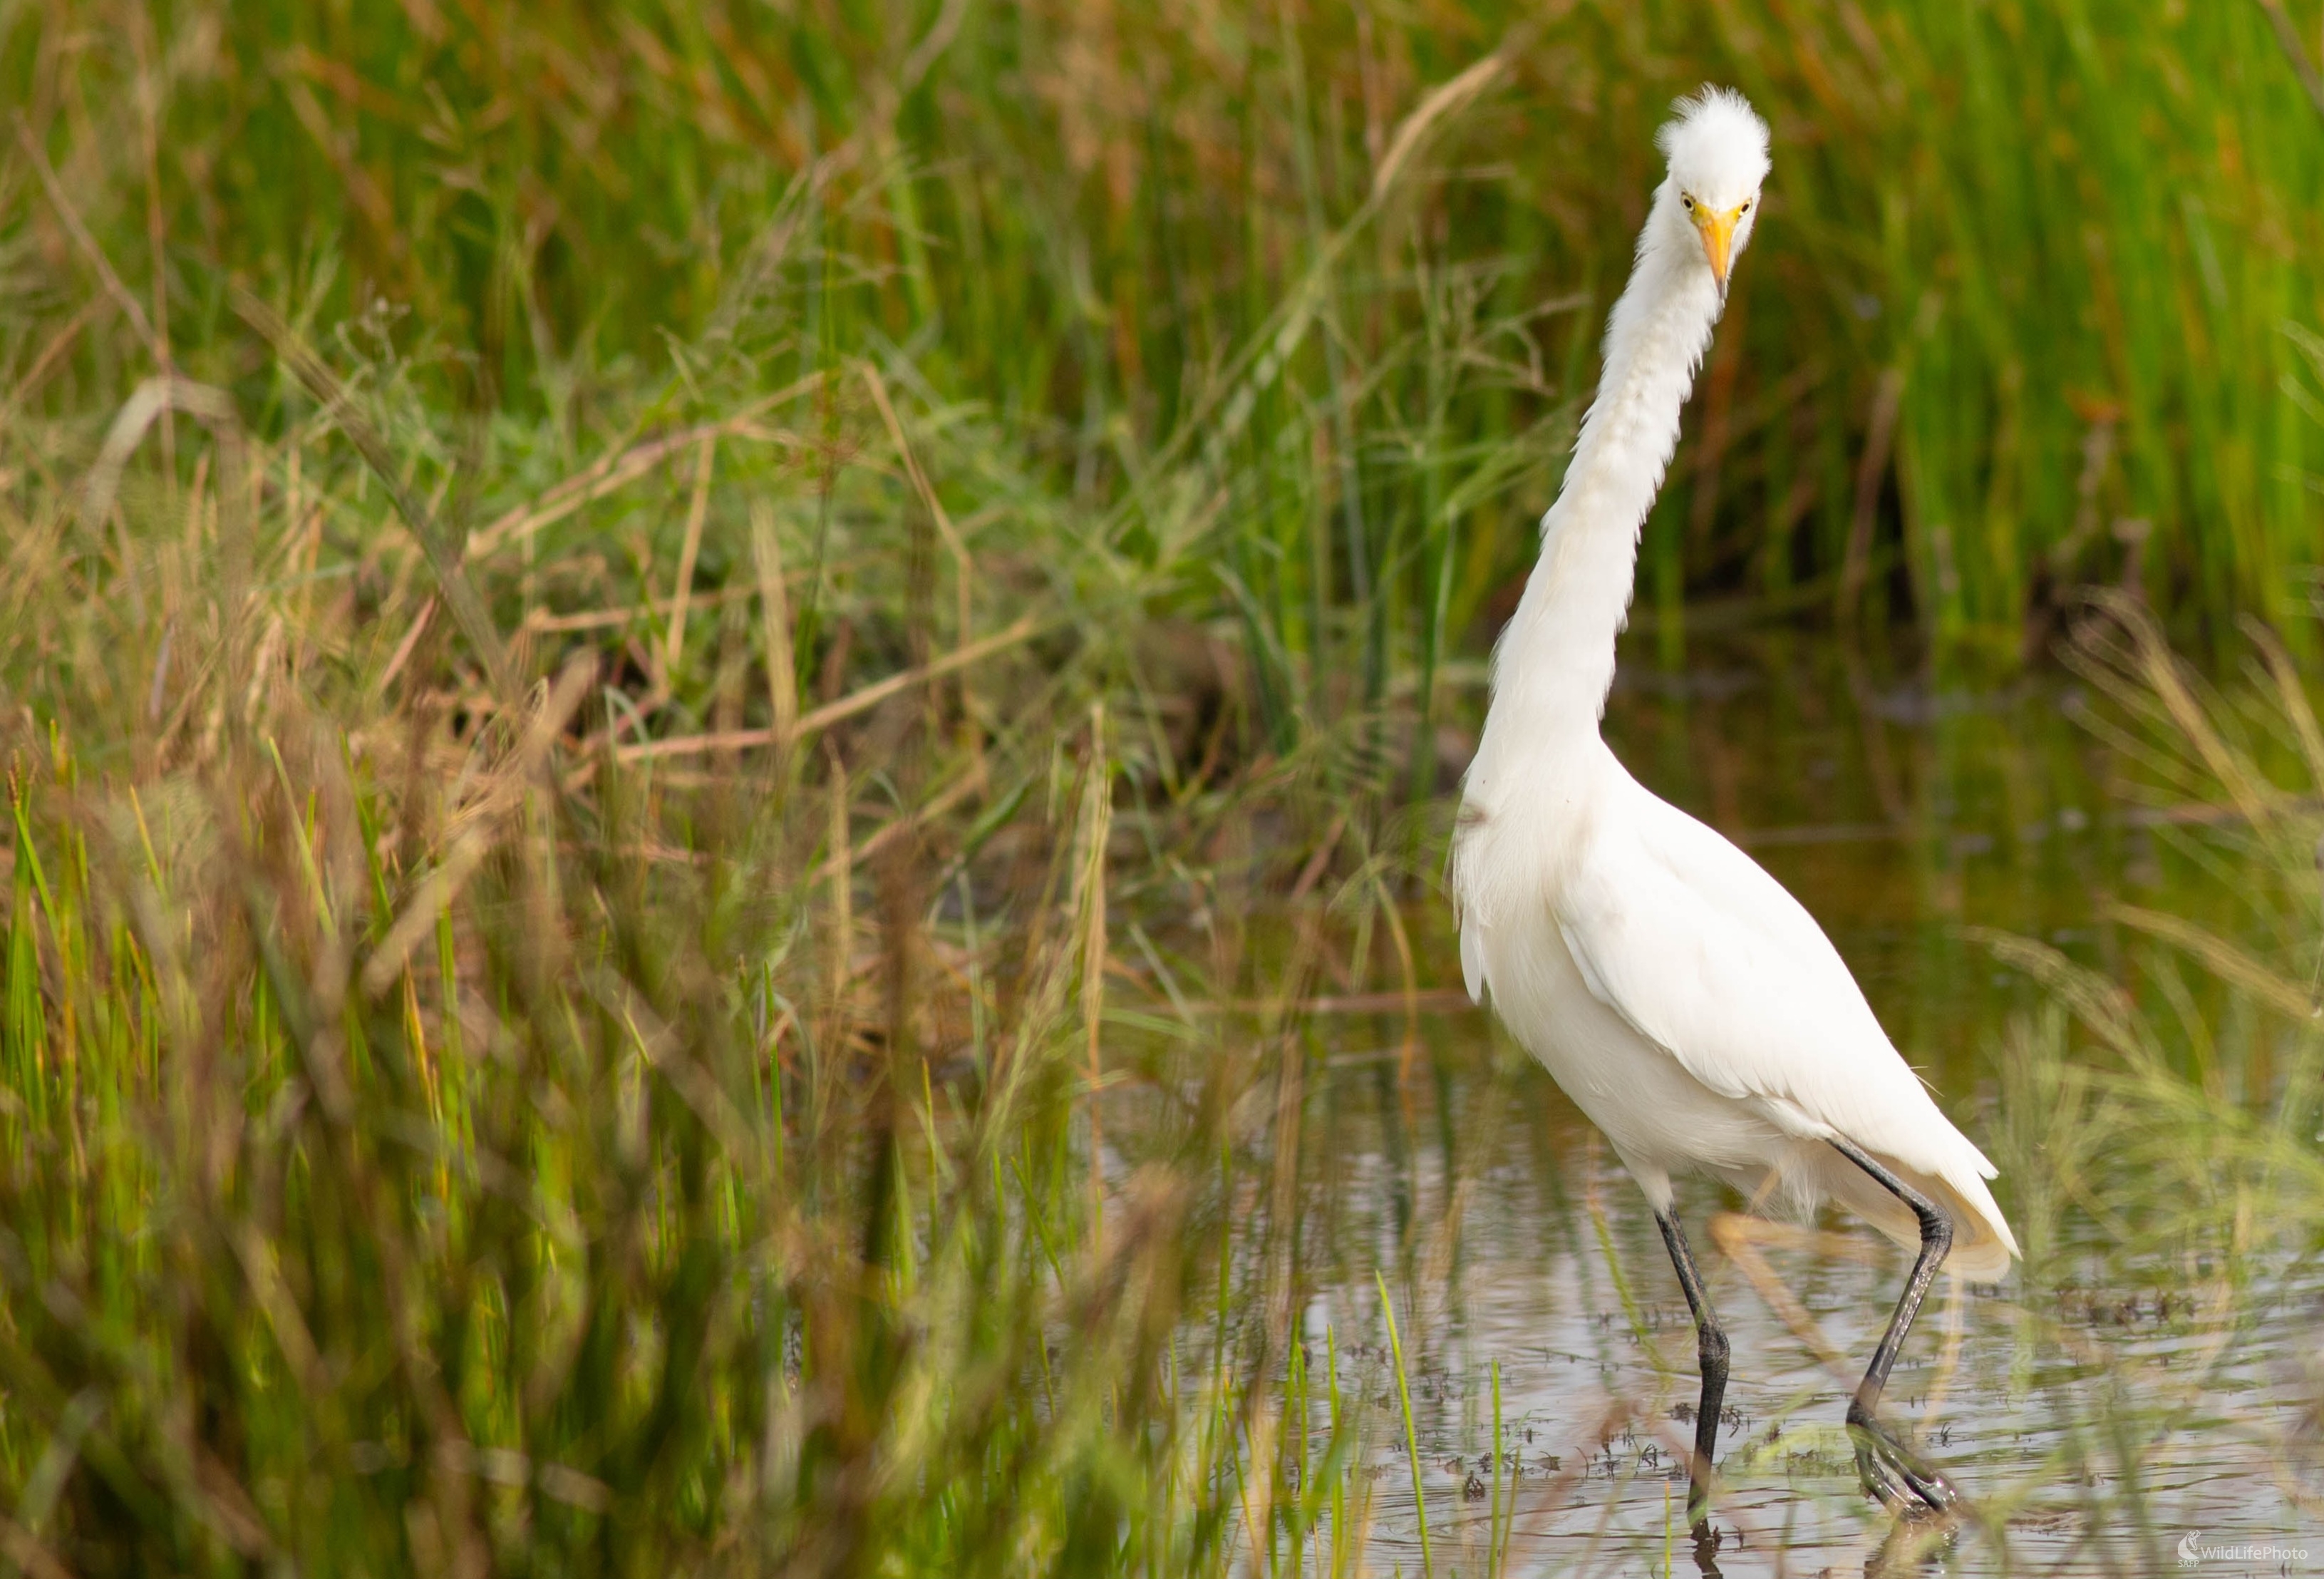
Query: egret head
point(1718, 150)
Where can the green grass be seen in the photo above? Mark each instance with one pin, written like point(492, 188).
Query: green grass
point(523, 1051)
point(1411, 1440)
point(2079, 239)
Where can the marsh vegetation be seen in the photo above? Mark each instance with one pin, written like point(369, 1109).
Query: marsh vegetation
point(726, 735)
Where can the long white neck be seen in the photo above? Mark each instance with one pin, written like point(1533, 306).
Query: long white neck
point(1555, 663)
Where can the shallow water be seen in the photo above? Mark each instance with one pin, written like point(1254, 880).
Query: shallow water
point(2121, 1404)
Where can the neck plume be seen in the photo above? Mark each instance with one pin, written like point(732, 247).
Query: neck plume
point(1555, 663)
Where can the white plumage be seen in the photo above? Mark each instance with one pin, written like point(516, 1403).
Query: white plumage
point(1699, 1016)
point(1686, 1003)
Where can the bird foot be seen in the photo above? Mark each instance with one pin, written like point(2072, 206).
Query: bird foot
point(1706, 1542)
point(1896, 1476)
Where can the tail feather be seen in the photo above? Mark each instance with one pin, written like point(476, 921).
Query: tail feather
point(1983, 1246)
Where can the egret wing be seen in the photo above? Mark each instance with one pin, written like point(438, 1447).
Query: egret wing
point(1707, 956)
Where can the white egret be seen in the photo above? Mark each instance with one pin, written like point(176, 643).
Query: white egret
point(1686, 1003)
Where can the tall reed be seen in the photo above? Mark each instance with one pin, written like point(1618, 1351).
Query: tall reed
point(2019, 316)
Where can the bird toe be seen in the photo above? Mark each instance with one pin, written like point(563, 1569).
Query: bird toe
point(1897, 1477)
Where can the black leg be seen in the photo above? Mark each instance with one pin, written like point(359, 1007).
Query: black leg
point(1892, 1471)
point(1710, 1357)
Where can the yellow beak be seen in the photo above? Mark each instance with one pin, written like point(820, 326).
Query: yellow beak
point(1718, 239)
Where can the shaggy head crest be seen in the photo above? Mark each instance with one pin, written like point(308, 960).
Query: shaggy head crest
point(1717, 146)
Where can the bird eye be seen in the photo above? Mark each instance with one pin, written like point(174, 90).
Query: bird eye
point(1746, 208)
point(1688, 201)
